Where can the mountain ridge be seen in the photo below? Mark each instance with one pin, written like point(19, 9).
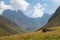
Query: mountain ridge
point(54, 21)
point(25, 22)
point(8, 27)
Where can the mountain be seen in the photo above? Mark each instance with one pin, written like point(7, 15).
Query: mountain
point(27, 23)
point(8, 27)
point(54, 21)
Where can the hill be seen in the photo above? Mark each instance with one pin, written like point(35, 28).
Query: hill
point(54, 21)
point(8, 27)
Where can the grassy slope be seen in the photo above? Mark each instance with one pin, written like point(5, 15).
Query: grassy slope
point(51, 35)
point(54, 21)
point(8, 28)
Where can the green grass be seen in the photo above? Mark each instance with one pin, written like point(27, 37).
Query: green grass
point(50, 35)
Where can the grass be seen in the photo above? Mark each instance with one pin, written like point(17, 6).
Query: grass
point(50, 35)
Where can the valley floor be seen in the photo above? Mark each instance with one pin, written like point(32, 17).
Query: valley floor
point(49, 35)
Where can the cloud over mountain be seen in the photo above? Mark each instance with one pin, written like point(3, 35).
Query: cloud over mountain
point(19, 4)
point(38, 10)
point(3, 7)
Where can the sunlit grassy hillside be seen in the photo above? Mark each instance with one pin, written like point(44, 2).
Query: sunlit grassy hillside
point(54, 34)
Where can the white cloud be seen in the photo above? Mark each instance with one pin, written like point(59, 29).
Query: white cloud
point(15, 5)
point(57, 2)
point(19, 4)
point(3, 7)
point(38, 10)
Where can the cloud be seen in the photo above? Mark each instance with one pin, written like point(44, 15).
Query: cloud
point(38, 10)
point(57, 2)
point(15, 5)
point(3, 7)
point(19, 4)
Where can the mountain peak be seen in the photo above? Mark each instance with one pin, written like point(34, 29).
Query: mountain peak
point(27, 23)
point(58, 7)
point(57, 13)
point(58, 10)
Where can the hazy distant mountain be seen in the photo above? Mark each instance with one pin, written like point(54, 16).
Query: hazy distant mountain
point(54, 21)
point(25, 22)
point(8, 27)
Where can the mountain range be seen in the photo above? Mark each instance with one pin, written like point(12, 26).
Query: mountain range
point(12, 22)
point(53, 24)
point(24, 22)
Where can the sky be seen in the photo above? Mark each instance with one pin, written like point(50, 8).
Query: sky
point(30, 8)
